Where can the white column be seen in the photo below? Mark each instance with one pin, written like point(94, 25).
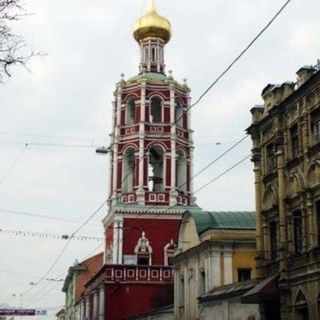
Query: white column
point(207, 268)
point(115, 147)
point(117, 240)
point(115, 251)
point(87, 317)
point(149, 56)
point(191, 150)
point(177, 284)
point(95, 304)
point(114, 119)
point(173, 192)
point(82, 309)
point(101, 303)
point(140, 192)
point(215, 269)
point(228, 274)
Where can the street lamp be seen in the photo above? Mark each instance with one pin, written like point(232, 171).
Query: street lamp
point(102, 150)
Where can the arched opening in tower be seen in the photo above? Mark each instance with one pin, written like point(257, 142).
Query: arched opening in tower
point(155, 170)
point(130, 111)
point(179, 114)
point(156, 110)
point(128, 171)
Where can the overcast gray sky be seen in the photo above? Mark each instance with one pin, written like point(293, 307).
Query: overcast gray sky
point(69, 94)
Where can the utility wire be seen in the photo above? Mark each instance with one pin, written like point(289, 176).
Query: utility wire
point(45, 235)
point(222, 174)
point(48, 144)
point(66, 246)
point(29, 214)
point(12, 166)
point(38, 135)
point(216, 159)
point(31, 299)
point(251, 43)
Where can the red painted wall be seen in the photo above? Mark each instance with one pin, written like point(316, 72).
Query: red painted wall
point(128, 300)
point(158, 231)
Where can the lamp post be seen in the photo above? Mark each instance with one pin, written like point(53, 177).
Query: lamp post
point(102, 150)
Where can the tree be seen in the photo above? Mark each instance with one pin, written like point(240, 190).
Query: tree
point(12, 46)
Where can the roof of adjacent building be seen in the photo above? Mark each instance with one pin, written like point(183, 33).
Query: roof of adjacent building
point(223, 220)
point(228, 290)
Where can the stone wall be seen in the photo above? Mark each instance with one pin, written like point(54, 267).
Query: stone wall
point(229, 309)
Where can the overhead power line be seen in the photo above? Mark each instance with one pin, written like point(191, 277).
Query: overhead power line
point(38, 135)
point(242, 53)
point(49, 144)
point(37, 215)
point(222, 174)
point(32, 298)
point(12, 166)
point(45, 235)
point(66, 246)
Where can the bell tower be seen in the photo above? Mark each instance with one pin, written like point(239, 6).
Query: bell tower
point(151, 163)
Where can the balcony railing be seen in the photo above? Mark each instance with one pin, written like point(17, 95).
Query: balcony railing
point(116, 273)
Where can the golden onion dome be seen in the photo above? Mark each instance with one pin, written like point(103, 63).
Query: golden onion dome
point(152, 25)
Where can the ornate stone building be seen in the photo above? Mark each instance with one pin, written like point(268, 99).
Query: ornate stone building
point(286, 153)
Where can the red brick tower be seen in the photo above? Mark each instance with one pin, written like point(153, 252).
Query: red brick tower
point(150, 186)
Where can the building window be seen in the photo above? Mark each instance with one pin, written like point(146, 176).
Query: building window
point(294, 134)
point(169, 251)
point(318, 220)
point(130, 111)
point(244, 274)
point(143, 251)
point(181, 292)
point(155, 170)
point(273, 240)
point(129, 171)
point(297, 232)
point(202, 284)
point(156, 110)
point(315, 123)
point(270, 158)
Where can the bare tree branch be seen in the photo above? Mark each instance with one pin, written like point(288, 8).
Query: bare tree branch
point(13, 49)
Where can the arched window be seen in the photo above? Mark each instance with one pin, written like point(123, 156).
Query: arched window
point(143, 251)
point(179, 114)
point(169, 253)
point(181, 172)
point(130, 111)
point(128, 172)
point(301, 307)
point(273, 240)
point(155, 170)
point(153, 54)
point(297, 232)
point(156, 110)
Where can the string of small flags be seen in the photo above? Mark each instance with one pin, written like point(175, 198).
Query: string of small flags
point(48, 236)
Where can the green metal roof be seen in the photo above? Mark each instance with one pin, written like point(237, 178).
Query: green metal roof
point(154, 76)
point(225, 220)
